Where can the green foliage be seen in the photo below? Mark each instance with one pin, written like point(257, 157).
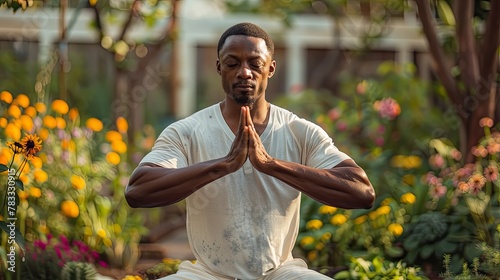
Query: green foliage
point(466, 274)
point(167, 267)
point(78, 271)
point(379, 268)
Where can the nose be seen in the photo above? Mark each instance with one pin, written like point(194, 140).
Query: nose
point(244, 72)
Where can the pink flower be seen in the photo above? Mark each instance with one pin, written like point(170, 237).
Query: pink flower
point(491, 173)
point(485, 122)
point(341, 126)
point(387, 108)
point(437, 191)
point(334, 114)
point(476, 182)
point(437, 161)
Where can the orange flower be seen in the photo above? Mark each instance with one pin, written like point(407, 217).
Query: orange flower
point(40, 176)
point(60, 123)
point(77, 182)
point(26, 123)
point(13, 132)
point(3, 122)
point(122, 124)
point(35, 192)
point(6, 96)
point(73, 114)
point(60, 106)
point(49, 121)
point(30, 111)
point(70, 209)
point(23, 100)
point(40, 107)
point(113, 135)
point(119, 146)
point(94, 124)
point(14, 111)
point(113, 158)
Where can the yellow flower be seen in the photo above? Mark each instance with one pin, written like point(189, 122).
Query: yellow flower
point(325, 209)
point(409, 179)
point(94, 124)
point(359, 220)
point(326, 236)
point(40, 107)
point(312, 255)
point(60, 123)
point(101, 233)
point(107, 242)
point(113, 158)
point(26, 123)
point(23, 195)
point(306, 241)
point(73, 114)
point(122, 124)
point(32, 145)
point(119, 146)
point(44, 134)
point(25, 179)
point(70, 209)
point(6, 96)
point(314, 224)
point(117, 228)
point(373, 215)
point(3, 122)
point(113, 135)
point(23, 100)
point(384, 210)
point(396, 229)
point(14, 111)
point(60, 106)
point(408, 198)
point(40, 176)
point(30, 111)
point(13, 132)
point(36, 162)
point(49, 121)
point(77, 182)
point(338, 219)
point(35, 192)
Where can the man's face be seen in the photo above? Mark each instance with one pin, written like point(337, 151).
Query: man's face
point(245, 65)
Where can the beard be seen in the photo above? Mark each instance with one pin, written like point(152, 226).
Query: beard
point(244, 100)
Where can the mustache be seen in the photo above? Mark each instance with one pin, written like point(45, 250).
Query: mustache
point(244, 84)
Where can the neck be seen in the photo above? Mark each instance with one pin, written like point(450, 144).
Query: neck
point(259, 112)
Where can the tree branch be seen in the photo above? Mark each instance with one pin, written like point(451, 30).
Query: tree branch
point(490, 42)
point(467, 56)
point(129, 20)
point(437, 53)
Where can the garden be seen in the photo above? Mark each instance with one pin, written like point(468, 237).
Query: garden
point(430, 147)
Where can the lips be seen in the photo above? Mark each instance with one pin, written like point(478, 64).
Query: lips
point(244, 86)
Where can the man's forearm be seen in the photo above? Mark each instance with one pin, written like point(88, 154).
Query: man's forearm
point(346, 185)
point(152, 186)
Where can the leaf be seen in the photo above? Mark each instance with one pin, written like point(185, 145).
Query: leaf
point(18, 238)
point(445, 13)
point(3, 168)
point(394, 252)
point(426, 251)
point(20, 184)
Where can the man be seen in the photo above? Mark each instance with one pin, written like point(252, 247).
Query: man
point(242, 165)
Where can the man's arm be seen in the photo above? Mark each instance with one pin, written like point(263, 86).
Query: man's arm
point(345, 185)
point(151, 185)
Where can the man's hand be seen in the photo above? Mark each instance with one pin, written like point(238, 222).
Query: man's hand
point(239, 150)
point(256, 151)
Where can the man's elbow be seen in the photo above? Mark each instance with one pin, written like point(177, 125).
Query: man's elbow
point(131, 197)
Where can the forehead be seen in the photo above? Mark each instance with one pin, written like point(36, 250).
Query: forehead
point(249, 45)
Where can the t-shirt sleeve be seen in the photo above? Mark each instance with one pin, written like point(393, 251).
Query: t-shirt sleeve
point(168, 150)
point(318, 150)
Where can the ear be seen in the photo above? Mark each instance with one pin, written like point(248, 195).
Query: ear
point(217, 65)
point(272, 68)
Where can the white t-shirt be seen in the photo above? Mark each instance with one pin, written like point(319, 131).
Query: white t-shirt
point(244, 224)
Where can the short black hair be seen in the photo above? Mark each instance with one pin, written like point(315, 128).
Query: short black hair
point(246, 29)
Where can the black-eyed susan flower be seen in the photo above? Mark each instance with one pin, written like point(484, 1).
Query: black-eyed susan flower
point(16, 147)
point(32, 145)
